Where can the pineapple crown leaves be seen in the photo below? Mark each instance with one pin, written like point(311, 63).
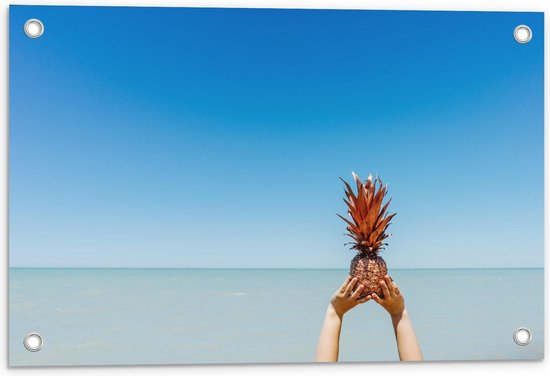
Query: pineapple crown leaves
point(369, 220)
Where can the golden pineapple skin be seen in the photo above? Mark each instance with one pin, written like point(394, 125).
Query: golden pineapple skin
point(369, 270)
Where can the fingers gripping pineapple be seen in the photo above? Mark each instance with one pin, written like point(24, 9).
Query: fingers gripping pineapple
point(367, 227)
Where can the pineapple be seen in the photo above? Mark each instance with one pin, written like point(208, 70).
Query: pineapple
point(367, 228)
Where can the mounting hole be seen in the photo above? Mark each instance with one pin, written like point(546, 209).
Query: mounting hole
point(34, 28)
point(522, 336)
point(523, 34)
point(33, 342)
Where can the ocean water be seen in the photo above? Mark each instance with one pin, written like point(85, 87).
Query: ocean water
point(179, 316)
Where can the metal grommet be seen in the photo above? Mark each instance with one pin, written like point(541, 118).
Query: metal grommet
point(34, 28)
point(522, 336)
point(523, 34)
point(33, 342)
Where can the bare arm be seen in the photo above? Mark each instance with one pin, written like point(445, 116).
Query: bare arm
point(407, 344)
point(329, 339)
point(342, 301)
point(394, 303)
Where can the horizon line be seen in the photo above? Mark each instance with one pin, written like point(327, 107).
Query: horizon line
point(264, 268)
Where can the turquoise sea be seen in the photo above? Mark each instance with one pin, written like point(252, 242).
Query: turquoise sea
point(178, 316)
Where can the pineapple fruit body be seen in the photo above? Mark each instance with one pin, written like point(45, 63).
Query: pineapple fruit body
point(369, 269)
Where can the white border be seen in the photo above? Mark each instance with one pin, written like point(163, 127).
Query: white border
point(384, 369)
point(485, 5)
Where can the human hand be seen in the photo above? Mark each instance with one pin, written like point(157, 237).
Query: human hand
point(393, 301)
point(345, 298)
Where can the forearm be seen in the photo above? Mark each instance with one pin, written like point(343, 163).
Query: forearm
point(407, 344)
point(329, 339)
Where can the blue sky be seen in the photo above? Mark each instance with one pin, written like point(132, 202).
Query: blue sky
point(174, 137)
